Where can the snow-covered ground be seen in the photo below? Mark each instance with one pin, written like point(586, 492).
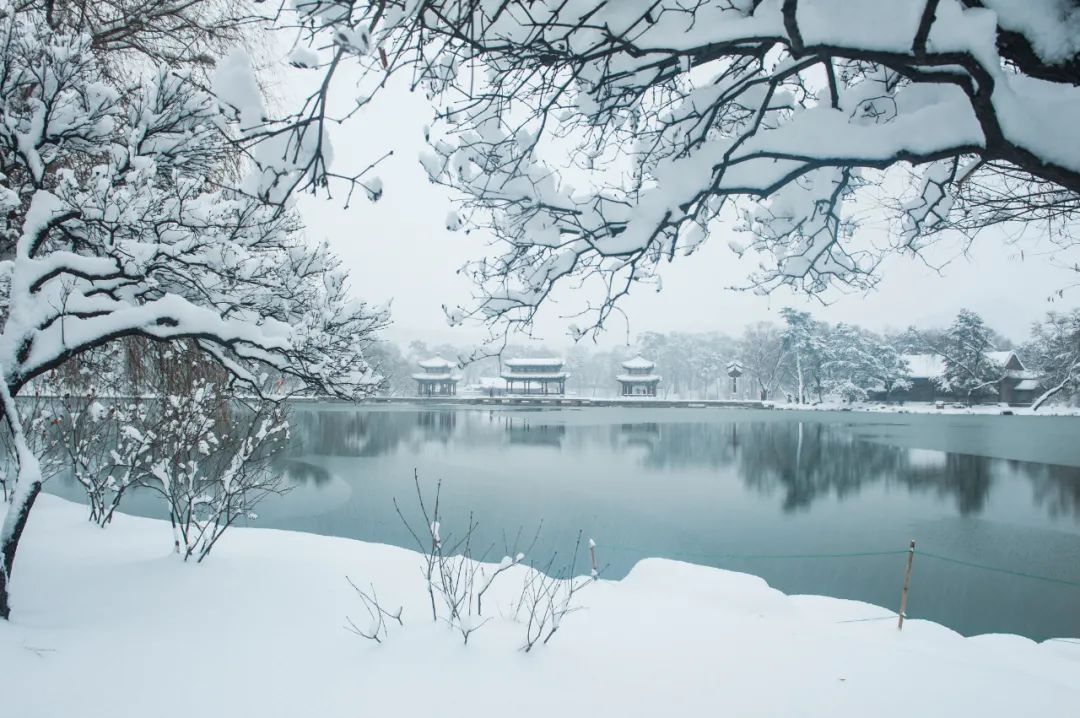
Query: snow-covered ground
point(109, 623)
point(920, 407)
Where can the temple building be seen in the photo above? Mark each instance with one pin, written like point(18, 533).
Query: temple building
point(639, 379)
point(534, 376)
point(436, 378)
point(1017, 385)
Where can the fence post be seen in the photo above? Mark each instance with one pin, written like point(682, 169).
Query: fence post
point(907, 584)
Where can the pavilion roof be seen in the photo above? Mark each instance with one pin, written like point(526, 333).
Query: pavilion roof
point(436, 362)
point(638, 362)
point(638, 378)
point(524, 362)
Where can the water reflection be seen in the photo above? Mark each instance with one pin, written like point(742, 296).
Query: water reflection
point(703, 490)
point(797, 462)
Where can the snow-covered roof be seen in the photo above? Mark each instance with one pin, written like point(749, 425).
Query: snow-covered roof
point(534, 375)
point(436, 376)
point(1004, 358)
point(534, 361)
point(638, 362)
point(435, 362)
point(638, 378)
point(930, 366)
point(1027, 385)
point(924, 366)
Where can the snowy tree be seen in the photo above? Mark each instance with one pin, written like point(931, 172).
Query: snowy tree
point(969, 371)
point(774, 112)
point(858, 362)
point(762, 353)
point(1054, 351)
point(138, 204)
point(807, 345)
point(888, 367)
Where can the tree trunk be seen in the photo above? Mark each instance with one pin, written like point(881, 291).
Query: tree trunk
point(798, 369)
point(1047, 394)
point(14, 524)
point(27, 487)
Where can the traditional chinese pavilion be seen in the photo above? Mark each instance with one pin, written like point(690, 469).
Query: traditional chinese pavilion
point(534, 376)
point(436, 378)
point(638, 378)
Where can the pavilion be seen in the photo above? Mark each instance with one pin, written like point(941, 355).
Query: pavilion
point(436, 378)
point(639, 379)
point(535, 376)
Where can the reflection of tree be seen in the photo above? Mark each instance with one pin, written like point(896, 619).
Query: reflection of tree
point(1055, 487)
point(679, 445)
point(965, 477)
point(803, 461)
point(808, 461)
point(363, 433)
point(301, 472)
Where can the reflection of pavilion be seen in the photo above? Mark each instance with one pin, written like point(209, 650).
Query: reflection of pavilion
point(520, 431)
point(440, 423)
point(646, 435)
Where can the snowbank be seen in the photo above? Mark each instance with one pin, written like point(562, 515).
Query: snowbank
point(108, 623)
point(918, 407)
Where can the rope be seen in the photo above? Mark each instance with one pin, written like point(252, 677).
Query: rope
point(984, 567)
point(752, 556)
point(857, 554)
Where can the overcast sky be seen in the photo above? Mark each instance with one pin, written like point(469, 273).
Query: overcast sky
point(399, 250)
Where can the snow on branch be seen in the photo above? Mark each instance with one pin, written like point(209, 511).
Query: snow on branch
point(132, 210)
point(596, 140)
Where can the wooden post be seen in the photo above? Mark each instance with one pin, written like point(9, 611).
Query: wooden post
point(907, 584)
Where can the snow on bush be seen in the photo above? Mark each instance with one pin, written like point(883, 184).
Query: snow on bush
point(458, 575)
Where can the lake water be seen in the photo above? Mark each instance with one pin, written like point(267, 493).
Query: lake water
point(750, 490)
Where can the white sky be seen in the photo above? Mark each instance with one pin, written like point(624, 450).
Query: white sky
point(399, 250)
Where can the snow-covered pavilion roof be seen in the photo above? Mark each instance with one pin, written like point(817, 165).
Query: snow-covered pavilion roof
point(539, 375)
point(638, 362)
point(436, 362)
point(526, 362)
point(637, 378)
point(436, 376)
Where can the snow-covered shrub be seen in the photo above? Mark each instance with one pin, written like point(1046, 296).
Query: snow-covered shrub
point(100, 449)
point(455, 578)
point(548, 596)
point(208, 458)
point(458, 577)
point(376, 629)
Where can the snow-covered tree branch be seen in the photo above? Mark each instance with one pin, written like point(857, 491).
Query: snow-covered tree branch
point(596, 140)
point(145, 204)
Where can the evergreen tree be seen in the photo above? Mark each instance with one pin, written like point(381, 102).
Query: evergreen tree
point(969, 372)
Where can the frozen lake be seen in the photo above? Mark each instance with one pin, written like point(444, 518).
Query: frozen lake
point(751, 490)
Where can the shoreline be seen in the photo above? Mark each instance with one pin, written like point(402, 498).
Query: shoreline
point(670, 636)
